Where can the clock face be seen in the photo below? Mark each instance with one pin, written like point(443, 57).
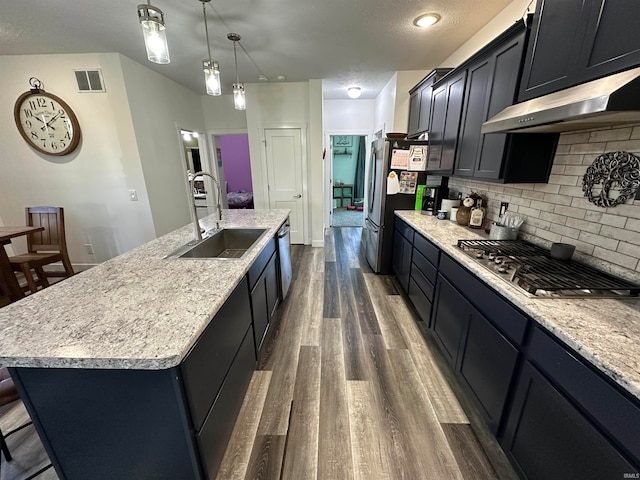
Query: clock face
point(47, 123)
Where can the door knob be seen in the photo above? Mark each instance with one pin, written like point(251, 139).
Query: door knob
point(297, 196)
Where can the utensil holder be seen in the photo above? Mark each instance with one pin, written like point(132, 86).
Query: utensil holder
point(498, 232)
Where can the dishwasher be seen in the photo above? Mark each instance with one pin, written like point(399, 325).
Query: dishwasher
point(284, 252)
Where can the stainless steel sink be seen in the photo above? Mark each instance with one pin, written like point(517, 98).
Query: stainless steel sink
point(225, 243)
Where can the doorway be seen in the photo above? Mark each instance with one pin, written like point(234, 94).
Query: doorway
point(234, 167)
point(348, 154)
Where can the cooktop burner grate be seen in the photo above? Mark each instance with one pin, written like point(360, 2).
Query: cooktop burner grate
point(531, 268)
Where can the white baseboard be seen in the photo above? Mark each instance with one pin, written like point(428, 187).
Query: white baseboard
point(317, 243)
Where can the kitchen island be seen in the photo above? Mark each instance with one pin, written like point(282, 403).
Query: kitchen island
point(137, 367)
point(557, 380)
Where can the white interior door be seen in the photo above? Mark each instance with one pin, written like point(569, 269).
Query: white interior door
point(284, 173)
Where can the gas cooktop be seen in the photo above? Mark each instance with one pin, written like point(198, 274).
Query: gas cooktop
point(532, 269)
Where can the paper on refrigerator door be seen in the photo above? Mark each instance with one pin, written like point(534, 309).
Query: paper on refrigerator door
point(399, 159)
point(418, 158)
point(393, 184)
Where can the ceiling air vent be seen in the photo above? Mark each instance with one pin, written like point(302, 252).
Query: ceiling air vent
point(89, 81)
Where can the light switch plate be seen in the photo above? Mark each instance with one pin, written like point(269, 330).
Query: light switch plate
point(133, 195)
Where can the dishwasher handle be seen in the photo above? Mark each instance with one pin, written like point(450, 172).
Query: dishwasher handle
point(284, 231)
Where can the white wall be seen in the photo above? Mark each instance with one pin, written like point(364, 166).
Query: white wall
point(315, 167)
point(159, 108)
point(406, 80)
point(385, 106)
point(349, 115)
point(220, 114)
point(92, 183)
point(506, 18)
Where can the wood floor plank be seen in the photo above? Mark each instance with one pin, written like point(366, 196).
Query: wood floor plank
point(331, 298)
point(362, 304)
point(266, 457)
point(238, 454)
point(371, 459)
point(470, 456)
point(329, 246)
point(355, 360)
point(334, 445)
point(444, 401)
point(301, 459)
point(376, 290)
point(420, 424)
point(312, 318)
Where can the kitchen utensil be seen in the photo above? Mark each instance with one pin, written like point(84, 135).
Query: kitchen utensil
point(499, 232)
point(562, 251)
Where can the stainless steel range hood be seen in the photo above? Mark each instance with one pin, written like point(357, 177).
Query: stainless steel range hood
point(608, 101)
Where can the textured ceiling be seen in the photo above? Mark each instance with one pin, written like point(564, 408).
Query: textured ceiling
point(342, 42)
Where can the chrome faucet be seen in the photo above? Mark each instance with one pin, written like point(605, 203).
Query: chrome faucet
point(196, 223)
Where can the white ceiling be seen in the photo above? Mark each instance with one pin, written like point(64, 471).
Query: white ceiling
point(343, 42)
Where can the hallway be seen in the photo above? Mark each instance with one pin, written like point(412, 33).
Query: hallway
point(349, 389)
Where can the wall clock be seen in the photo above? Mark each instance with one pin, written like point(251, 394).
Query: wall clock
point(45, 121)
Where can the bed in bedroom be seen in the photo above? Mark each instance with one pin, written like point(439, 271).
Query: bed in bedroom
point(240, 199)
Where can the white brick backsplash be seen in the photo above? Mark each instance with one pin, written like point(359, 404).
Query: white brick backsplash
point(588, 148)
point(625, 261)
point(610, 135)
point(558, 211)
point(599, 240)
point(547, 235)
point(618, 233)
point(570, 180)
point(574, 233)
point(557, 199)
point(553, 217)
point(633, 224)
point(587, 226)
point(629, 249)
point(569, 211)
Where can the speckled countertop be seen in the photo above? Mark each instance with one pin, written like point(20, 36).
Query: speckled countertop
point(604, 331)
point(136, 311)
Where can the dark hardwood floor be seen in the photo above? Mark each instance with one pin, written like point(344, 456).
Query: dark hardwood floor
point(347, 389)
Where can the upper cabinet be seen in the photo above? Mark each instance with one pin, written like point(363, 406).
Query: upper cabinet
point(492, 85)
point(576, 41)
point(420, 103)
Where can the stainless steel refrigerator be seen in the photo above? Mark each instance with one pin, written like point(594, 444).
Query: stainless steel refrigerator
point(378, 229)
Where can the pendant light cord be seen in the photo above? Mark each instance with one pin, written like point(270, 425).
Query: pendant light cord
point(206, 29)
point(235, 56)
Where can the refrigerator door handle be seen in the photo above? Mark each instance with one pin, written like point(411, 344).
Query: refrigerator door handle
point(372, 226)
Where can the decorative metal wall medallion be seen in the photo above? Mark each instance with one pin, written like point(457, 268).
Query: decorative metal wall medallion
point(617, 171)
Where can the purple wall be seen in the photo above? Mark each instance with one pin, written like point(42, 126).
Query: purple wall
point(235, 161)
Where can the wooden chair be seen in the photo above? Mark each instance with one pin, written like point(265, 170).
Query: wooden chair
point(43, 248)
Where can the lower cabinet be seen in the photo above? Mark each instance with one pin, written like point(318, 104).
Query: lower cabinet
point(264, 300)
point(401, 261)
point(546, 438)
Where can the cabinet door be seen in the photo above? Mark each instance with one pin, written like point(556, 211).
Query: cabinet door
point(271, 278)
point(612, 41)
point(424, 121)
point(438, 117)
point(474, 114)
point(450, 319)
point(455, 97)
point(547, 438)
point(487, 365)
point(414, 112)
point(402, 259)
point(554, 46)
point(259, 310)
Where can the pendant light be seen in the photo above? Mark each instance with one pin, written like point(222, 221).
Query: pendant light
point(155, 39)
point(211, 67)
point(239, 99)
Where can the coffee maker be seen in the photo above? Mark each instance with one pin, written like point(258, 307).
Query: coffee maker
point(433, 194)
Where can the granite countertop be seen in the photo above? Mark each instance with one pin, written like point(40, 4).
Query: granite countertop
point(135, 311)
point(604, 331)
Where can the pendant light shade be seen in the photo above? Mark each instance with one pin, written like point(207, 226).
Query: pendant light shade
point(212, 77)
point(239, 99)
point(155, 39)
point(211, 67)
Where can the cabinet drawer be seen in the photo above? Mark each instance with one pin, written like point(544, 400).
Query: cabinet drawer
point(611, 410)
point(258, 266)
point(423, 282)
point(498, 311)
point(426, 248)
point(405, 230)
point(425, 266)
point(208, 362)
point(215, 434)
point(420, 301)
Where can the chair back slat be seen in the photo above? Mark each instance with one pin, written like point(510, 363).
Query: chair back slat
point(52, 238)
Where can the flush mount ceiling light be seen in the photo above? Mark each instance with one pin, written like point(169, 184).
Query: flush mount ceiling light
point(210, 67)
point(155, 39)
point(426, 20)
point(354, 92)
point(263, 78)
point(239, 98)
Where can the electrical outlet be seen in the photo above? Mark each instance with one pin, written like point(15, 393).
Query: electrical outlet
point(504, 206)
point(89, 248)
point(133, 195)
